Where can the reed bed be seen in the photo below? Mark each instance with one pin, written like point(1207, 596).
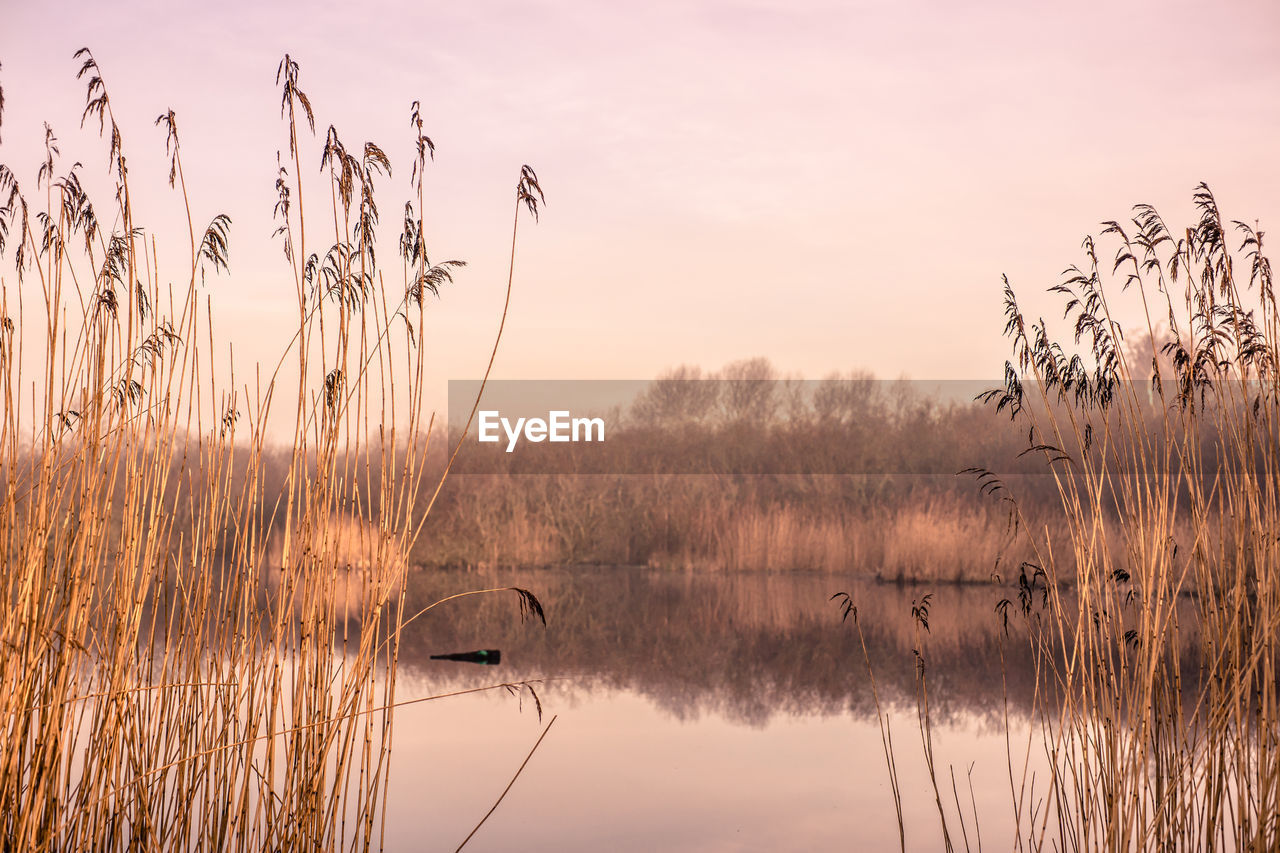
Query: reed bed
point(201, 633)
point(1155, 629)
point(899, 530)
point(738, 469)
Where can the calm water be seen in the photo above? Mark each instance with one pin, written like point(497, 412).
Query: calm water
point(699, 712)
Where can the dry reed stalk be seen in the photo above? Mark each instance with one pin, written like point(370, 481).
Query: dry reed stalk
point(151, 698)
point(1156, 632)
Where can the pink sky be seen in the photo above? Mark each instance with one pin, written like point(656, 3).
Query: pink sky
point(831, 185)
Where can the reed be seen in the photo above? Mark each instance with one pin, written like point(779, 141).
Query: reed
point(201, 633)
point(1155, 629)
point(709, 472)
point(901, 530)
point(1171, 758)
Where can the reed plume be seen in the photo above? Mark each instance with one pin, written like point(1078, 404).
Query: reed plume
point(201, 633)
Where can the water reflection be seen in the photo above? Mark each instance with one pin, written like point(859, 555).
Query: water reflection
point(697, 712)
point(745, 646)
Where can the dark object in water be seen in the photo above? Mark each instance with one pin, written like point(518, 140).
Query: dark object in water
point(489, 657)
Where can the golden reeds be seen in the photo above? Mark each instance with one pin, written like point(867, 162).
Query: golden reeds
point(1155, 630)
point(200, 636)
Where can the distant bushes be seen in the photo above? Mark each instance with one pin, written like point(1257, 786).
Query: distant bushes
point(741, 469)
point(751, 472)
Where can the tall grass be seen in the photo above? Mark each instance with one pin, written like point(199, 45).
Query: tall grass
point(854, 475)
point(1156, 630)
point(1195, 507)
point(200, 635)
point(909, 530)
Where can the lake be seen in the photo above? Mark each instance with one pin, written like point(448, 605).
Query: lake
point(703, 712)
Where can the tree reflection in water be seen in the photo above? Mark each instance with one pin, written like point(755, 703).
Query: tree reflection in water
point(747, 646)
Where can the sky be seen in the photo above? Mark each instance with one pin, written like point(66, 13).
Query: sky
point(831, 185)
